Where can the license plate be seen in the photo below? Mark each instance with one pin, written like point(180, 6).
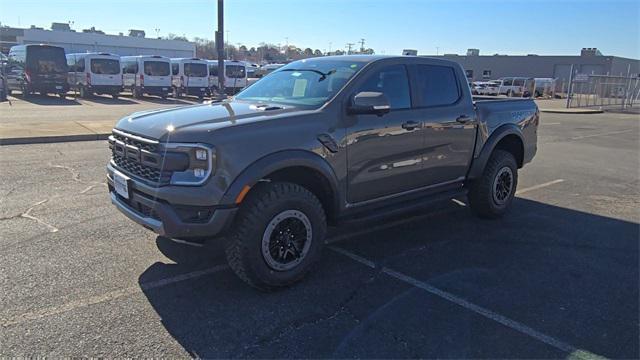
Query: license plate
point(58, 87)
point(121, 184)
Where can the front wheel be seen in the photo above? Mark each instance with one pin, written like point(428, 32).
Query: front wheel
point(277, 236)
point(491, 195)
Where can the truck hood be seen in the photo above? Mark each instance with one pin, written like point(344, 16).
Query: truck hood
point(173, 124)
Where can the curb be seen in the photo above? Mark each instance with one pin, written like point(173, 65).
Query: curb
point(53, 139)
point(566, 111)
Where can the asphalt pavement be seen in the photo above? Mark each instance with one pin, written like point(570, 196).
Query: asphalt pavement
point(556, 277)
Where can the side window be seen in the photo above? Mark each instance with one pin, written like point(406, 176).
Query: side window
point(436, 85)
point(174, 68)
point(486, 74)
point(80, 64)
point(507, 82)
point(71, 64)
point(393, 82)
point(518, 82)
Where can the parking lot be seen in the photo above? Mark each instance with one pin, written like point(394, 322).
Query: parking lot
point(557, 277)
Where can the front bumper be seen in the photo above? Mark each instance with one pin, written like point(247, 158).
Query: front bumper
point(168, 219)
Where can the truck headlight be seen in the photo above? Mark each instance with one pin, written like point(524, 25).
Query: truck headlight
point(202, 161)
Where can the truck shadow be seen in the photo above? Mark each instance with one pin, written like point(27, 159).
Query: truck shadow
point(564, 272)
point(108, 100)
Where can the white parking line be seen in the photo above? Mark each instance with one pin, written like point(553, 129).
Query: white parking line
point(539, 186)
point(601, 134)
point(549, 340)
point(92, 300)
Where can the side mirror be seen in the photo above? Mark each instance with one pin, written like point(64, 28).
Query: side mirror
point(369, 102)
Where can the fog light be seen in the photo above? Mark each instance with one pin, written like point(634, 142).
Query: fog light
point(201, 154)
point(199, 173)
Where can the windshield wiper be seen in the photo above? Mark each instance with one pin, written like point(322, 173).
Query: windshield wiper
point(322, 75)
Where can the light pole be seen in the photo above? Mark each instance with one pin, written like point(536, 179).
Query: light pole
point(220, 48)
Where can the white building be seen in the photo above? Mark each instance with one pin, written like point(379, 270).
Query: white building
point(79, 42)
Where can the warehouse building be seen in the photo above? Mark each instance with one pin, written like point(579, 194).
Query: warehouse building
point(590, 61)
point(93, 40)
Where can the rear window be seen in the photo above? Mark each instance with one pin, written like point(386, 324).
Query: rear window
point(156, 68)
point(105, 66)
point(235, 71)
point(195, 70)
point(436, 85)
point(46, 59)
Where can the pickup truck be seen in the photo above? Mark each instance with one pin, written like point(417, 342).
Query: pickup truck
point(317, 142)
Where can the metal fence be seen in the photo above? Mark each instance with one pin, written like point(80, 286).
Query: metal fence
point(603, 91)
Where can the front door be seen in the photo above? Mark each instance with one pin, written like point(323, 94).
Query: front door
point(384, 152)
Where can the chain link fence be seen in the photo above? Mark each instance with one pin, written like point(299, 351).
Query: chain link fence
point(603, 91)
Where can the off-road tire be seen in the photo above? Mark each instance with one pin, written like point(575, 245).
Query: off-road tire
point(259, 208)
point(481, 192)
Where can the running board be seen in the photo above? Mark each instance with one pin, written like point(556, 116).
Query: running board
point(407, 206)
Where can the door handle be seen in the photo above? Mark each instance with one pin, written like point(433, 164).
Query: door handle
point(411, 125)
point(463, 119)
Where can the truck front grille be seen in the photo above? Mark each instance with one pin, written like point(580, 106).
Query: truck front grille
point(139, 157)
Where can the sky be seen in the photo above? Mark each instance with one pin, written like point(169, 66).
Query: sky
point(545, 27)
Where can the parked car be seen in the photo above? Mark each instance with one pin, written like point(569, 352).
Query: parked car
point(146, 74)
point(235, 76)
point(486, 88)
point(95, 73)
point(37, 68)
point(516, 86)
point(320, 141)
point(190, 76)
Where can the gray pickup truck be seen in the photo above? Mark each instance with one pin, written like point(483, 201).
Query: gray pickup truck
point(318, 142)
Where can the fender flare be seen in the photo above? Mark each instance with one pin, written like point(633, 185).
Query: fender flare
point(278, 161)
point(477, 167)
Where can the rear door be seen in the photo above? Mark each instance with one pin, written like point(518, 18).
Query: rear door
point(384, 152)
point(443, 104)
point(196, 75)
point(157, 73)
point(104, 71)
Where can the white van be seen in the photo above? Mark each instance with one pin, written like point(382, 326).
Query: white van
point(95, 73)
point(190, 76)
point(516, 86)
point(235, 76)
point(146, 74)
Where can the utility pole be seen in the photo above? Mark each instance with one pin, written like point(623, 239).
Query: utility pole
point(220, 48)
point(362, 46)
point(349, 45)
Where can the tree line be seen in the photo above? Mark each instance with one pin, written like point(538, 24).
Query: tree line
point(263, 53)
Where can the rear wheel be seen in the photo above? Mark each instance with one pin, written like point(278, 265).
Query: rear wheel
point(25, 93)
point(136, 92)
point(491, 195)
point(277, 236)
point(83, 92)
point(62, 95)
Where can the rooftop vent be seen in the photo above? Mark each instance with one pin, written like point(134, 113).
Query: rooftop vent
point(60, 27)
point(136, 33)
point(590, 52)
point(473, 52)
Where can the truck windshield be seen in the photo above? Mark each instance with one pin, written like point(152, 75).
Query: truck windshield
point(310, 83)
point(156, 68)
point(195, 70)
point(105, 66)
